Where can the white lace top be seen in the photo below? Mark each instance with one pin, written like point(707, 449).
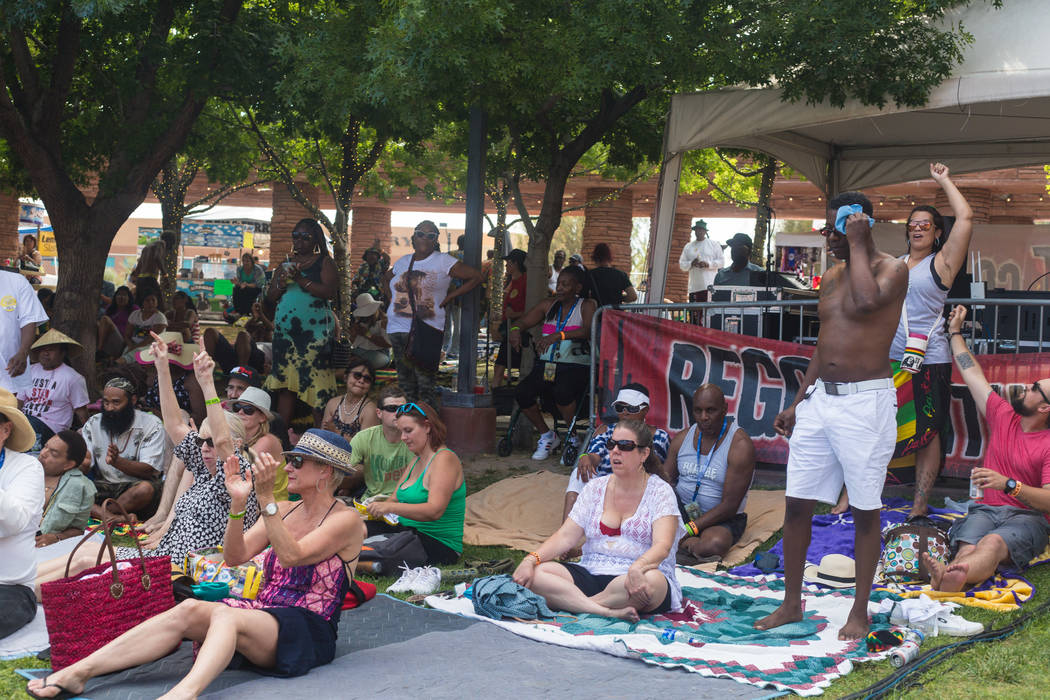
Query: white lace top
point(614, 554)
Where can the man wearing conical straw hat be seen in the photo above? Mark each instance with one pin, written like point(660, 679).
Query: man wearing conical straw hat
point(57, 392)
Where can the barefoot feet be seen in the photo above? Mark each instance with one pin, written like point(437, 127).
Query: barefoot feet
point(786, 613)
point(954, 578)
point(936, 569)
point(856, 626)
point(843, 505)
point(630, 614)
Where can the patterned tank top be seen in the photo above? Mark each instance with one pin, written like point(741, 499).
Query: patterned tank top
point(576, 352)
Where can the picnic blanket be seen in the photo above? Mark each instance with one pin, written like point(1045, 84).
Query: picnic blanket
point(1006, 590)
point(523, 511)
point(713, 635)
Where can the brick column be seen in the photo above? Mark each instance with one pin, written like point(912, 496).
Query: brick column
point(608, 222)
point(286, 213)
point(368, 226)
point(677, 285)
point(979, 199)
point(9, 209)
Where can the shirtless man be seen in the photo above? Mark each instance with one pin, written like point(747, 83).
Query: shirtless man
point(846, 426)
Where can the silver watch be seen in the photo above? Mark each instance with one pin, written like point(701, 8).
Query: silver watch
point(270, 509)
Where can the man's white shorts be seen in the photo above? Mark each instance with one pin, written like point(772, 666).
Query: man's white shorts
point(842, 439)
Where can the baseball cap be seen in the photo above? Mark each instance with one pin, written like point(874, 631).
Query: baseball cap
point(246, 374)
point(517, 255)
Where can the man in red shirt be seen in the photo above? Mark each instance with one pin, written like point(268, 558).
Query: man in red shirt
point(1009, 524)
point(513, 309)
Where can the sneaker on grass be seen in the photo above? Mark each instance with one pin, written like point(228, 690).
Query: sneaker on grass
point(547, 442)
point(405, 583)
point(427, 580)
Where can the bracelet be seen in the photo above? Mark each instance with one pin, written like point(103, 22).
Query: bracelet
point(562, 334)
point(515, 328)
point(238, 516)
point(954, 333)
point(690, 528)
point(212, 401)
point(308, 283)
point(535, 556)
point(1016, 490)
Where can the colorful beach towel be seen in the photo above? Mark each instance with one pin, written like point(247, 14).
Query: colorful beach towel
point(713, 636)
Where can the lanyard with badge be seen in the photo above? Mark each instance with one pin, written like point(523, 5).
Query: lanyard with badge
point(548, 367)
point(706, 472)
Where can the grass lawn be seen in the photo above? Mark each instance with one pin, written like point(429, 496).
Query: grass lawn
point(1013, 667)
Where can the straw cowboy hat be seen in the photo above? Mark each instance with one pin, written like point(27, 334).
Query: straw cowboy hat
point(835, 571)
point(365, 305)
point(324, 446)
point(56, 337)
point(22, 434)
point(180, 354)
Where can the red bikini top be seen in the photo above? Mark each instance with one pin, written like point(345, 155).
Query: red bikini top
point(606, 530)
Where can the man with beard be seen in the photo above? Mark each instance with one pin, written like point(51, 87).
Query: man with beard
point(1008, 525)
point(126, 451)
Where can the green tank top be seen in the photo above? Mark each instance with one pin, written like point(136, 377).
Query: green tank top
point(448, 529)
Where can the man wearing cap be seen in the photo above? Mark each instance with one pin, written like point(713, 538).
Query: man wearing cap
point(238, 379)
point(20, 313)
point(370, 342)
point(710, 466)
point(57, 391)
point(738, 274)
point(127, 450)
point(21, 505)
point(632, 402)
point(701, 258)
point(514, 290)
point(843, 422)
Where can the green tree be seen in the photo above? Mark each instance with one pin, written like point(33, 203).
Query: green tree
point(560, 78)
point(105, 93)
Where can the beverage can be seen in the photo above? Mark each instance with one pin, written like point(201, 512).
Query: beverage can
point(976, 492)
point(908, 650)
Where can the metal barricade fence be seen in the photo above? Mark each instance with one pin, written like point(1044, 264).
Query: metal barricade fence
point(996, 326)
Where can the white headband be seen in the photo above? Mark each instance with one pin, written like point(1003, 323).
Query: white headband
point(632, 397)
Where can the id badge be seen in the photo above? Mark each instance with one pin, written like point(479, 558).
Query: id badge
point(549, 368)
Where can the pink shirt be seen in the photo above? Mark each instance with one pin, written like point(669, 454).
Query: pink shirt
point(1014, 453)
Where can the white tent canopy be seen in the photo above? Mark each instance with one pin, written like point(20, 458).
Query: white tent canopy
point(994, 112)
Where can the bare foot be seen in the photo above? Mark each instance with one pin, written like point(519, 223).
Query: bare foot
point(628, 613)
point(954, 577)
point(936, 569)
point(786, 613)
point(843, 505)
point(856, 626)
point(53, 685)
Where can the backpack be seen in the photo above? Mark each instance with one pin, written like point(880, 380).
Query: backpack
point(392, 550)
point(903, 546)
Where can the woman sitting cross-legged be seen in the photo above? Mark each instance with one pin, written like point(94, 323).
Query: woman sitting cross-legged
point(431, 498)
point(631, 521)
point(291, 626)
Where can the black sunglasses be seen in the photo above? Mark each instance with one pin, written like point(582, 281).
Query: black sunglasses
point(1035, 385)
point(405, 408)
point(295, 462)
point(622, 407)
point(201, 441)
point(391, 407)
point(362, 375)
point(302, 234)
point(245, 408)
point(624, 445)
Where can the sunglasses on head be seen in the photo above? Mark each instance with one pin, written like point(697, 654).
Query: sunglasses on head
point(429, 235)
point(623, 407)
point(362, 375)
point(405, 408)
point(624, 445)
point(245, 408)
point(202, 441)
point(391, 407)
point(1035, 385)
point(920, 225)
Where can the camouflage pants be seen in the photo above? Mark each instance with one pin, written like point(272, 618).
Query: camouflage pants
point(418, 383)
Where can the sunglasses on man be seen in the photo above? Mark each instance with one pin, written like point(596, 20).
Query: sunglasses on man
point(623, 407)
point(391, 407)
point(1036, 387)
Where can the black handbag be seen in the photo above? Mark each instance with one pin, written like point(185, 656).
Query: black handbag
point(424, 341)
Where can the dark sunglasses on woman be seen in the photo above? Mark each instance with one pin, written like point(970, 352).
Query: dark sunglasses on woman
point(245, 408)
point(362, 375)
point(295, 462)
point(621, 407)
point(201, 441)
point(624, 445)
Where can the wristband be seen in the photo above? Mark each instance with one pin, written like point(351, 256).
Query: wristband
point(562, 334)
point(690, 528)
point(212, 401)
point(954, 333)
point(237, 516)
point(1016, 490)
point(515, 328)
point(535, 556)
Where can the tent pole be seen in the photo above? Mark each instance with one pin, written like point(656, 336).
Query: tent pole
point(660, 244)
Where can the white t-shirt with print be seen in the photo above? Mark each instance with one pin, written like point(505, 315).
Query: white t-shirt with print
point(54, 395)
point(430, 279)
point(19, 308)
point(136, 321)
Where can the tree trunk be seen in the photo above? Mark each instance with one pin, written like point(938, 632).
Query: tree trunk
point(171, 222)
point(341, 255)
point(543, 233)
point(762, 211)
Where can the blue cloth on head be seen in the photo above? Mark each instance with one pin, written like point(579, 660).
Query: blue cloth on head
point(844, 213)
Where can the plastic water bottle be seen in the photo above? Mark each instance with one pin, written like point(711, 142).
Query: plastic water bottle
point(908, 650)
point(671, 635)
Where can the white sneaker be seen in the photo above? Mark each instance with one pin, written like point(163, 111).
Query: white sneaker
point(547, 442)
point(427, 580)
point(950, 625)
point(405, 583)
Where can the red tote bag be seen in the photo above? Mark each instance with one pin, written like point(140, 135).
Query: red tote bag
point(87, 611)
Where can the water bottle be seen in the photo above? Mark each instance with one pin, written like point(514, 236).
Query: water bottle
point(976, 492)
point(671, 635)
point(908, 650)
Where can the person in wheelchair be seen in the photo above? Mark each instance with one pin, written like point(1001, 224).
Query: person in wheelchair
point(563, 356)
point(632, 403)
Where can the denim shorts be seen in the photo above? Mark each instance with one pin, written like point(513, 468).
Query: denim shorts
point(1025, 531)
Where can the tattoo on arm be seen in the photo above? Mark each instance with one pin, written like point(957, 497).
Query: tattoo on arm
point(965, 360)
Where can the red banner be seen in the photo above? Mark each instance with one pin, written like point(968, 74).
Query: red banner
point(760, 378)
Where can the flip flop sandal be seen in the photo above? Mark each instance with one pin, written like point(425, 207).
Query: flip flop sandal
point(460, 575)
point(63, 693)
point(496, 566)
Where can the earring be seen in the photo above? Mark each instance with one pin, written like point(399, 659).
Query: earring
point(317, 249)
